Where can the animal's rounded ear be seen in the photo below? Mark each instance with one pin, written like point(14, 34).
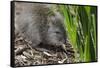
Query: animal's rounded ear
point(59, 16)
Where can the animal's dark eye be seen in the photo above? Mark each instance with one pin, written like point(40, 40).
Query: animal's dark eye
point(57, 32)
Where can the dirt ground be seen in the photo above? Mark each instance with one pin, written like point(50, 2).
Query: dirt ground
point(25, 55)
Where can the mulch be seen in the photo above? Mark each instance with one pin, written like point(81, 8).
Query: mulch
point(25, 55)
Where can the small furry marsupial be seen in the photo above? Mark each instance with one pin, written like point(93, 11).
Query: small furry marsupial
point(40, 24)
